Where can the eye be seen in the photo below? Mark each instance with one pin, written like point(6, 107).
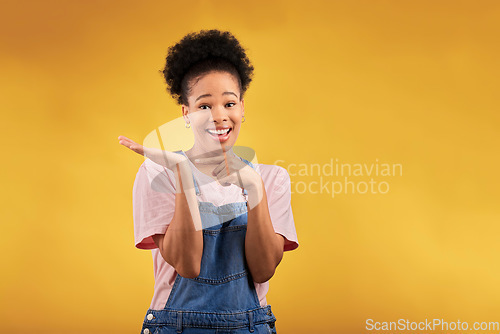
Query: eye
point(230, 104)
point(203, 106)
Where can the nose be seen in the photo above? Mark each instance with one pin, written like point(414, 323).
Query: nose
point(219, 115)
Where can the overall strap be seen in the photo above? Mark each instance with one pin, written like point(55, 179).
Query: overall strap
point(197, 189)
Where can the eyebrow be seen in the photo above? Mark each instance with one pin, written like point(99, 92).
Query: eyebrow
point(206, 95)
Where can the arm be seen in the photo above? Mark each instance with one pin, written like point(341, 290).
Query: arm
point(182, 244)
point(263, 247)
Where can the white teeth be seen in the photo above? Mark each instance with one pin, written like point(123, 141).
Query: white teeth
point(218, 132)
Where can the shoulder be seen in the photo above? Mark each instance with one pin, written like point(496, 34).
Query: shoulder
point(155, 176)
point(273, 176)
point(271, 171)
point(152, 167)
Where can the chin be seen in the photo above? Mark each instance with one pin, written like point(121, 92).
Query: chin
point(226, 146)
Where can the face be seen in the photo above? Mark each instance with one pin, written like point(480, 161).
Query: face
point(215, 111)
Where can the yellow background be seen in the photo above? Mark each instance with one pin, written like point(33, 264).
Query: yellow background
point(409, 82)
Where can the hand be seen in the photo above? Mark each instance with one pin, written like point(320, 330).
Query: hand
point(165, 158)
point(232, 170)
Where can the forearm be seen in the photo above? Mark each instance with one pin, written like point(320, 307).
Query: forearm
point(183, 241)
point(262, 248)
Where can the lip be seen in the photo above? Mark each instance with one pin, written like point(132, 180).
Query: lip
point(220, 138)
point(219, 127)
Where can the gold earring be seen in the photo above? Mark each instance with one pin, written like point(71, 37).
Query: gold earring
point(243, 119)
point(187, 125)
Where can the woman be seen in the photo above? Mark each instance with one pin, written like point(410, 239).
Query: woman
point(217, 224)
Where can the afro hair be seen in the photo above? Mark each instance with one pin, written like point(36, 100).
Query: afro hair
point(203, 52)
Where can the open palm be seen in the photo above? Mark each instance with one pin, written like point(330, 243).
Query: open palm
point(161, 157)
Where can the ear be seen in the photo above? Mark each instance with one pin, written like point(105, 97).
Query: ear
point(243, 107)
point(185, 112)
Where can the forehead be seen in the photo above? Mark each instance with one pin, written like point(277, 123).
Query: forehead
point(214, 83)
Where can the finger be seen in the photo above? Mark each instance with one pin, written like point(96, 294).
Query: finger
point(231, 179)
point(226, 181)
point(137, 148)
point(133, 146)
point(220, 168)
point(227, 165)
point(127, 142)
point(208, 161)
point(123, 139)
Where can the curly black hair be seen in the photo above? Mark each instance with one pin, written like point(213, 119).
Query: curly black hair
point(203, 52)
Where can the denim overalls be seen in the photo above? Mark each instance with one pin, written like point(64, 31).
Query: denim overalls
point(222, 299)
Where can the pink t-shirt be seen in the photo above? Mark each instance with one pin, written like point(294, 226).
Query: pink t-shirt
point(154, 205)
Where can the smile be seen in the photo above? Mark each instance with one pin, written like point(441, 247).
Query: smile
point(220, 135)
point(219, 132)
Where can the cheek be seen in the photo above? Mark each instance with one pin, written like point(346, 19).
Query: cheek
point(236, 118)
point(200, 118)
point(236, 129)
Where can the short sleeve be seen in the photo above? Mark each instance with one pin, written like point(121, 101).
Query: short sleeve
point(153, 203)
point(280, 208)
